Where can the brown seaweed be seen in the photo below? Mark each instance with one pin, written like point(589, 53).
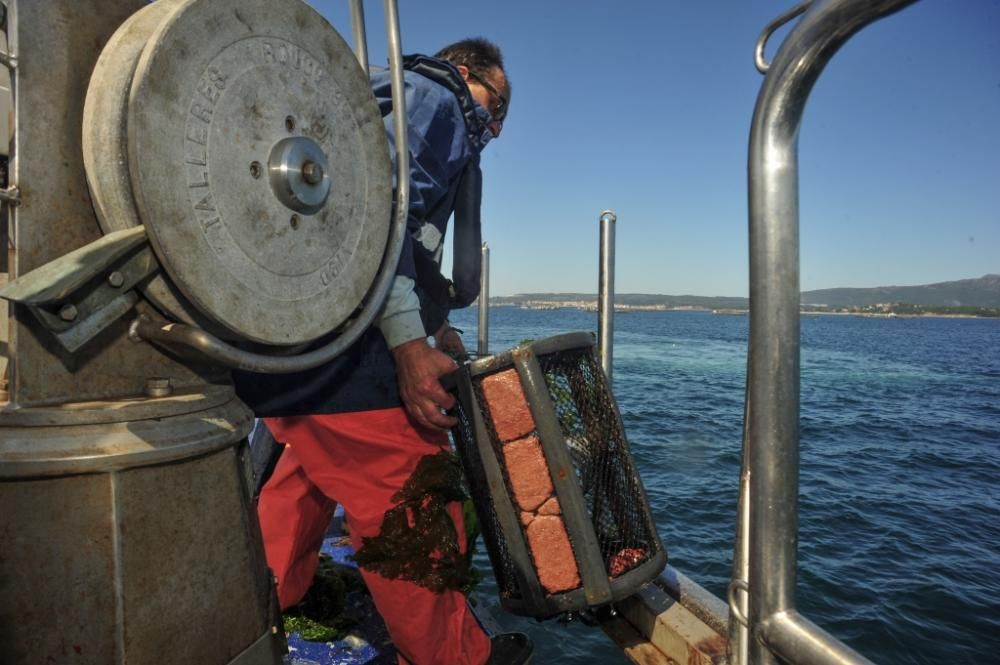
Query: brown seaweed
point(418, 541)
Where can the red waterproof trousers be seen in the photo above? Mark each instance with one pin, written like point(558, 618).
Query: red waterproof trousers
point(360, 460)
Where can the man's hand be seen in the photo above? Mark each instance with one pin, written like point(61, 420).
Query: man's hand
point(449, 340)
point(419, 368)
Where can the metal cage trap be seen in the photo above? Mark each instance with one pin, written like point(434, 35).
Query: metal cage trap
point(562, 510)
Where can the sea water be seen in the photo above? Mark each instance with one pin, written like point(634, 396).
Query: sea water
point(899, 538)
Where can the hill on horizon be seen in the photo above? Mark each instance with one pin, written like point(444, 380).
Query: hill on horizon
point(976, 292)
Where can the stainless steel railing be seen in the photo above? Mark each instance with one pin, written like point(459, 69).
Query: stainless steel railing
point(483, 331)
point(359, 33)
point(606, 292)
point(605, 298)
point(771, 431)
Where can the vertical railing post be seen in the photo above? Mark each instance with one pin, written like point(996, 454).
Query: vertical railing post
point(606, 291)
point(771, 429)
point(738, 645)
point(482, 345)
point(358, 31)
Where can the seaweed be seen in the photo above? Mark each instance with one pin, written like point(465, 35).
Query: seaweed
point(321, 615)
point(418, 541)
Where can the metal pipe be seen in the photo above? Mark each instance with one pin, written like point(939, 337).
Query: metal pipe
point(606, 292)
point(772, 428)
point(12, 369)
point(739, 602)
point(482, 343)
point(230, 356)
point(172, 334)
point(358, 31)
point(795, 639)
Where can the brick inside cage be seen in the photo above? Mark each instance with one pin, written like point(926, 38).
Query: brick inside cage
point(562, 509)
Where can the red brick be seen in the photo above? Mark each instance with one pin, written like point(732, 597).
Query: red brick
point(528, 472)
point(550, 507)
point(553, 554)
point(507, 405)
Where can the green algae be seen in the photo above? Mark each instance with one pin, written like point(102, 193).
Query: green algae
point(322, 615)
point(418, 541)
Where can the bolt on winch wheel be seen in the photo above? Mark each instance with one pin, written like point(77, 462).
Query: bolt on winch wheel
point(243, 134)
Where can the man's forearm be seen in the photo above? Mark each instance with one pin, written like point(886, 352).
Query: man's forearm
point(400, 318)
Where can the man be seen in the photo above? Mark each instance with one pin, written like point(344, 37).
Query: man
point(358, 428)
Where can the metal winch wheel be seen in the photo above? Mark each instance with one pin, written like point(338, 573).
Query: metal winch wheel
point(244, 136)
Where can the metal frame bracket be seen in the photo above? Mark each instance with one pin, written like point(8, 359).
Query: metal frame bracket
point(81, 293)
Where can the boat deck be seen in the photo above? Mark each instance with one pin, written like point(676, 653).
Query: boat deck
point(367, 643)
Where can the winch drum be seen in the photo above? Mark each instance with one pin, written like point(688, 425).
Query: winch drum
point(244, 136)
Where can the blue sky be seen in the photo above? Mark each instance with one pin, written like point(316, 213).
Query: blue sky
point(645, 107)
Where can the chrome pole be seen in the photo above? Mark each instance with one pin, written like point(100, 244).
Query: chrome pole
point(771, 440)
point(739, 603)
point(482, 346)
point(358, 31)
point(399, 118)
point(606, 291)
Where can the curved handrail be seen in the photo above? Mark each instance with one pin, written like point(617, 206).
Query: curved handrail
point(771, 432)
point(230, 356)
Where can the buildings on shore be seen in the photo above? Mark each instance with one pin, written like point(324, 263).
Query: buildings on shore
point(880, 309)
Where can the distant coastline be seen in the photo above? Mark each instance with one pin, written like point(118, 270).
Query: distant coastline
point(966, 298)
point(892, 315)
point(881, 314)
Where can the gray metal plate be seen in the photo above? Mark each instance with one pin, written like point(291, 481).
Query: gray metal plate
point(105, 154)
point(218, 84)
point(57, 43)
